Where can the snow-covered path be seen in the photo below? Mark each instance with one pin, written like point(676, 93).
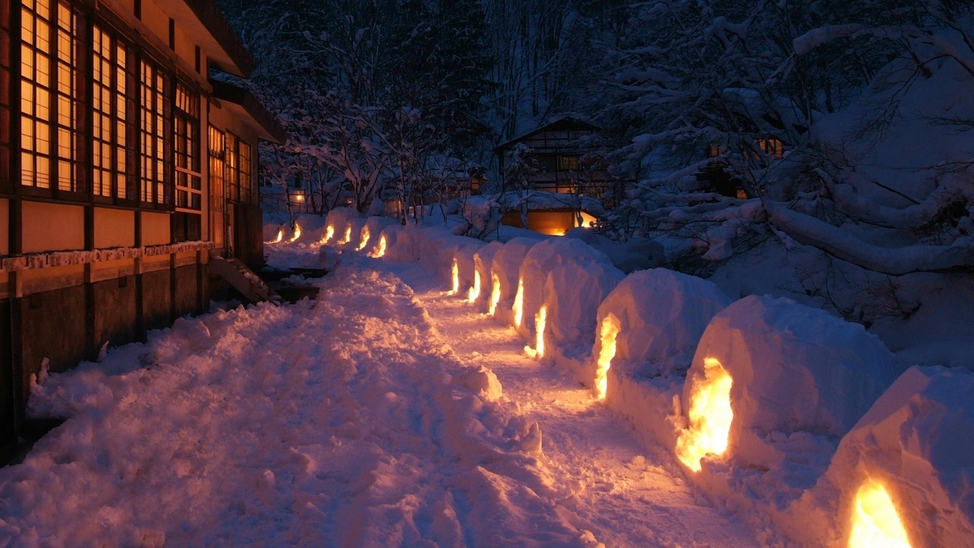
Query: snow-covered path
point(624, 495)
point(355, 420)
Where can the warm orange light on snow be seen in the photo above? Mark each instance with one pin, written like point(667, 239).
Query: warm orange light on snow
point(380, 249)
point(710, 416)
point(366, 234)
point(519, 303)
point(474, 293)
point(495, 294)
point(875, 522)
point(329, 234)
point(280, 236)
point(608, 332)
point(540, 319)
point(455, 271)
point(348, 235)
point(297, 233)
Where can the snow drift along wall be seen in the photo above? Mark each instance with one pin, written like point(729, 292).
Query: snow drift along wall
point(915, 444)
point(504, 271)
point(787, 368)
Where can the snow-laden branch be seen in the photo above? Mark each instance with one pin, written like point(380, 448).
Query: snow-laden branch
point(895, 261)
point(910, 217)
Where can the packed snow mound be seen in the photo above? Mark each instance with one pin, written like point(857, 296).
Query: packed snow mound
point(916, 443)
point(483, 260)
point(660, 316)
point(464, 260)
point(337, 222)
point(480, 380)
point(371, 232)
point(794, 369)
point(538, 262)
point(573, 292)
point(504, 269)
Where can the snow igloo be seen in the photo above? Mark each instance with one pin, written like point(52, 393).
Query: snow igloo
point(537, 263)
point(463, 268)
point(504, 270)
point(772, 366)
point(904, 475)
point(649, 325)
point(371, 233)
point(337, 223)
point(480, 287)
point(573, 292)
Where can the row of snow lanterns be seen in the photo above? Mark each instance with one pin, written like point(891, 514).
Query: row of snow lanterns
point(328, 237)
point(710, 413)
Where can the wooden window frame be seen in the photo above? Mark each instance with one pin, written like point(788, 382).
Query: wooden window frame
point(114, 168)
point(155, 137)
point(6, 99)
point(187, 143)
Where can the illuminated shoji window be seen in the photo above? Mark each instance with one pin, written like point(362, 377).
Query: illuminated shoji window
point(112, 117)
point(217, 164)
point(35, 93)
point(5, 90)
point(187, 129)
point(155, 136)
point(51, 126)
point(238, 170)
point(233, 175)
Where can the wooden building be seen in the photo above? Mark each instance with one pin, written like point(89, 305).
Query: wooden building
point(123, 169)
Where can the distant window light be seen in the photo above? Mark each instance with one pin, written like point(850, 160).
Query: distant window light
point(772, 147)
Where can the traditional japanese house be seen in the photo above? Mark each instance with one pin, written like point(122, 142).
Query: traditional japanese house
point(124, 169)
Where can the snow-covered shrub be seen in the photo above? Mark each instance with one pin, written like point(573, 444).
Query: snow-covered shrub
point(504, 270)
point(766, 367)
point(483, 259)
point(915, 443)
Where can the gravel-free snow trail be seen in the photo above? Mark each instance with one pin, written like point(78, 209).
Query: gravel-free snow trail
point(624, 494)
point(354, 420)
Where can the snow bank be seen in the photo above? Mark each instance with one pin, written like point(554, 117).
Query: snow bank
point(573, 292)
point(463, 260)
point(793, 369)
point(504, 270)
point(916, 443)
point(483, 260)
point(538, 262)
point(660, 316)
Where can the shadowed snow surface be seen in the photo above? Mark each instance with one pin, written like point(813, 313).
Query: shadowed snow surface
point(364, 418)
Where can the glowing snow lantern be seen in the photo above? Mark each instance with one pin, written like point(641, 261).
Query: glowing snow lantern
point(380, 250)
point(710, 416)
point(280, 236)
point(297, 233)
point(495, 294)
point(539, 326)
point(519, 302)
point(474, 293)
point(365, 238)
point(348, 235)
point(608, 332)
point(455, 270)
point(875, 522)
point(329, 234)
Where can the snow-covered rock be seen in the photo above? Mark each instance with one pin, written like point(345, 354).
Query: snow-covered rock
point(504, 270)
point(916, 443)
point(793, 369)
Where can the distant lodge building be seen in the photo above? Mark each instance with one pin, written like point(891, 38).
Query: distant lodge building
point(123, 170)
point(558, 163)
